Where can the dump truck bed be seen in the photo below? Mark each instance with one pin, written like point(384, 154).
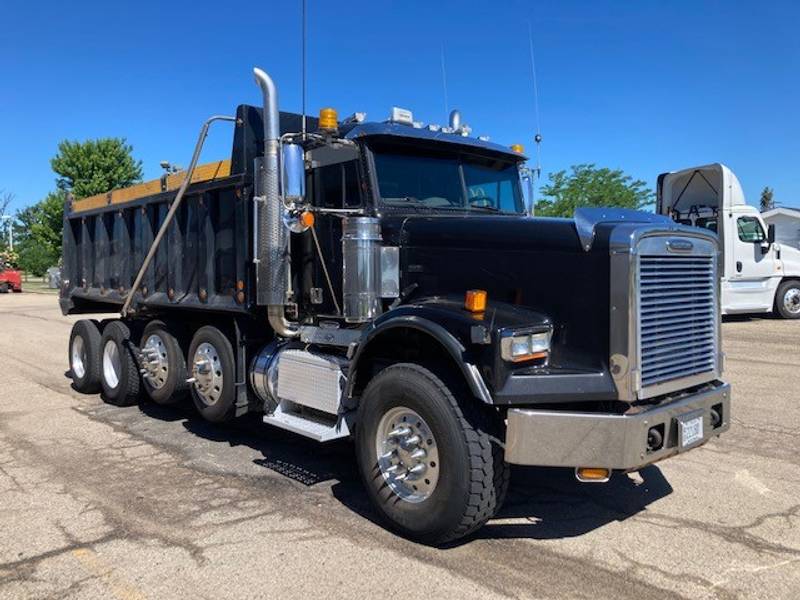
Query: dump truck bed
point(205, 260)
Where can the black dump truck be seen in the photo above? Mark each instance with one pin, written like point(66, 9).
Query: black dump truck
point(384, 281)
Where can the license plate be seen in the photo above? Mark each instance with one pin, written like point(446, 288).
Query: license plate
point(691, 429)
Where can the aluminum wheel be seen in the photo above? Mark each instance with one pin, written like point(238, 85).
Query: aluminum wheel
point(155, 362)
point(407, 454)
point(791, 300)
point(207, 373)
point(112, 365)
point(78, 357)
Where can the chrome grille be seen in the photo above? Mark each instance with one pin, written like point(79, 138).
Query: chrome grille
point(677, 303)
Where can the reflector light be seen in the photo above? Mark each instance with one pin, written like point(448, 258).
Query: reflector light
point(593, 474)
point(518, 148)
point(475, 301)
point(307, 218)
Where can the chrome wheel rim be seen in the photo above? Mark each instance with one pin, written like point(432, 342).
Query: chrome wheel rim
point(407, 454)
point(112, 365)
point(78, 357)
point(207, 373)
point(154, 362)
point(791, 300)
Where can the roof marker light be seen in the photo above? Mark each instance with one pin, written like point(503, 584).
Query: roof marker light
point(401, 115)
point(356, 117)
point(328, 119)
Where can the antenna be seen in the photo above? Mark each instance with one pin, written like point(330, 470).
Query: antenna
point(538, 137)
point(303, 60)
point(444, 84)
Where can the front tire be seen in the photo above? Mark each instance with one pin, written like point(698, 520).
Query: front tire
point(84, 356)
point(119, 373)
point(787, 299)
point(435, 500)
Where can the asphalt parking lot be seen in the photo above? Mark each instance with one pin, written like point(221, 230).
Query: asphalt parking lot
point(150, 502)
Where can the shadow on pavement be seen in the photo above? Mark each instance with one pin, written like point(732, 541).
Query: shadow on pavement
point(750, 318)
point(542, 503)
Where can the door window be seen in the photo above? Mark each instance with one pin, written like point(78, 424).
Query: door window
point(750, 230)
point(336, 186)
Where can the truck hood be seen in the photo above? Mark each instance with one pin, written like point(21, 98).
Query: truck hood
point(539, 264)
point(486, 233)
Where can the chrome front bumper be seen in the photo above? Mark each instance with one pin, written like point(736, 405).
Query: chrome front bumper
point(572, 439)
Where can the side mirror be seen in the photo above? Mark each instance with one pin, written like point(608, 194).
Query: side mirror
point(526, 176)
point(771, 233)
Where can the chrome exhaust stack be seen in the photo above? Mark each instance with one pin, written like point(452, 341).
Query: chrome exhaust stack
point(271, 251)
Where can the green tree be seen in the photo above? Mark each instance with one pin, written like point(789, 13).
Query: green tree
point(767, 202)
point(38, 233)
point(588, 185)
point(95, 166)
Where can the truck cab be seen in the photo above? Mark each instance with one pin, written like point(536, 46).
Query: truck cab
point(758, 275)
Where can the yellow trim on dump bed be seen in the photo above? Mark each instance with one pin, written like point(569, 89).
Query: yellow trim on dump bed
point(206, 172)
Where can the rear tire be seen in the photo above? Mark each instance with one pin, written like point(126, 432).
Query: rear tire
point(471, 475)
point(165, 377)
point(119, 372)
point(211, 362)
point(84, 356)
point(787, 299)
point(4, 288)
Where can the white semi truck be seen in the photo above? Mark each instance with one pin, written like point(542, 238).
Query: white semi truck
point(758, 274)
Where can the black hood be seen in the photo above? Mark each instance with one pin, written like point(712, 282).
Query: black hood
point(536, 263)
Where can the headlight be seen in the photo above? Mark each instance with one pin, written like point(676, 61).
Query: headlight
point(525, 346)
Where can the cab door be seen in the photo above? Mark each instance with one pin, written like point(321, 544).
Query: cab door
point(334, 193)
point(753, 256)
point(751, 280)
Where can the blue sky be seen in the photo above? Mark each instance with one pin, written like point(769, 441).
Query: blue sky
point(642, 86)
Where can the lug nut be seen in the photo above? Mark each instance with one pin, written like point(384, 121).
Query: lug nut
point(419, 454)
point(411, 441)
point(399, 432)
point(418, 470)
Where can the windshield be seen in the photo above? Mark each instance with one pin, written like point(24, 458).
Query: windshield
point(448, 183)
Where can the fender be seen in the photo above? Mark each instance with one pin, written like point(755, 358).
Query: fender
point(431, 319)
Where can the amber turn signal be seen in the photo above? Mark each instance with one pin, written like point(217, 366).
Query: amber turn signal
point(592, 474)
point(307, 218)
point(475, 301)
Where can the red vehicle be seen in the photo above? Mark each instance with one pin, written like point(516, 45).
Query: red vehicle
point(10, 279)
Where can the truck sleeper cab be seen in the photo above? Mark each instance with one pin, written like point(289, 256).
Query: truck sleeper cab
point(758, 274)
point(382, 281)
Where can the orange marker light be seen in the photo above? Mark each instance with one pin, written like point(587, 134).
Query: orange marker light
point(597, 474)
point(328, 119)
point(518, 148)
point(475, 301)
point(307, 218)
